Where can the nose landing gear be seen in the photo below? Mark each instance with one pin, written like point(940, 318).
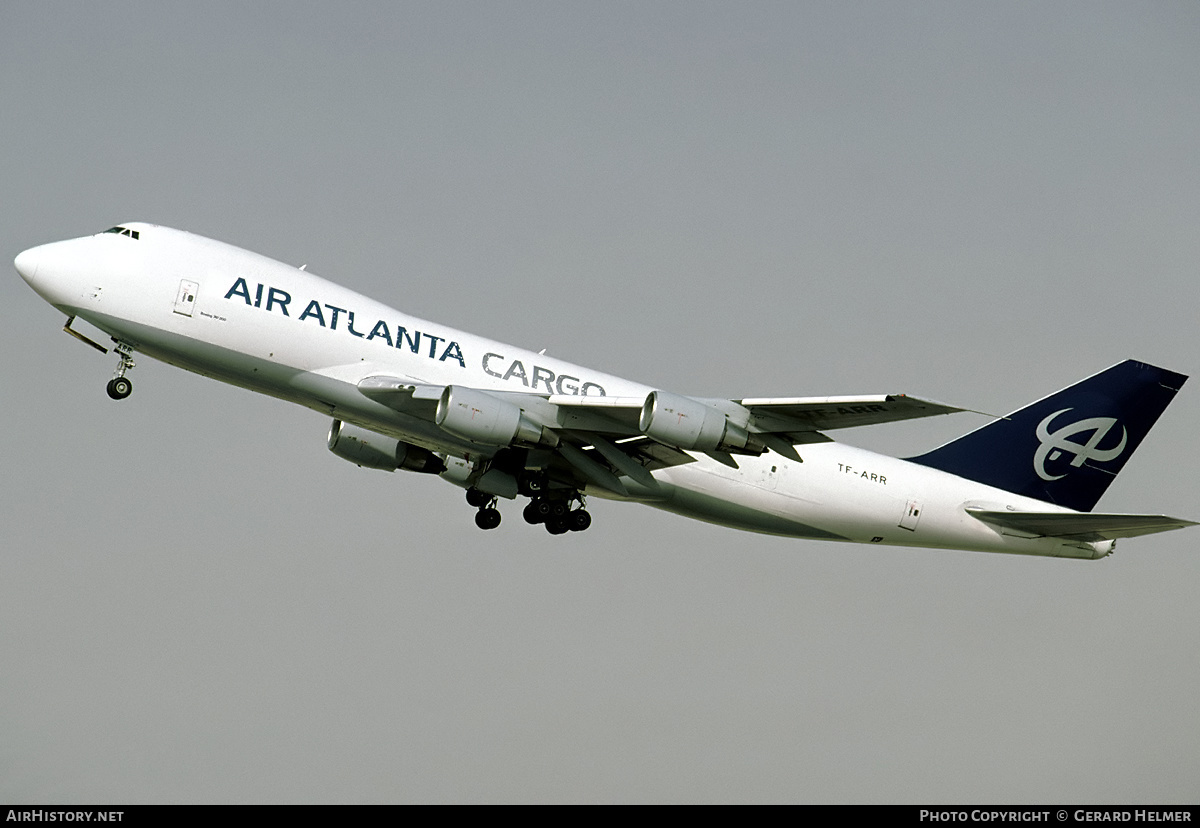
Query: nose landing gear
point(119, 387)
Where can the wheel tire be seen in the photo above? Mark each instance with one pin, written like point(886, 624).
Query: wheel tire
point(119, 388)
point(477, 498)
point(487, 518)
point(557, 525)
point(580, 520)
point(531, 513)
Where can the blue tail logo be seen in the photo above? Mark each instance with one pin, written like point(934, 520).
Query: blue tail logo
point(1068, 447)
point(1054, 443)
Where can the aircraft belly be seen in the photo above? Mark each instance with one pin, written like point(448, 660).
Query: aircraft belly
point(729, 512)
point(708, 491)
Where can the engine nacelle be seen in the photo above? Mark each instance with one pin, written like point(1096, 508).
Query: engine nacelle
point(686, 423)
point(376, 451)
point(486, 419)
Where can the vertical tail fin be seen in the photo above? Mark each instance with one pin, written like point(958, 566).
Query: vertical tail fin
point(1067, 448)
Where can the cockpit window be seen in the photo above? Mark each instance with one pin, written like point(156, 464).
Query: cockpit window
point(123, 231)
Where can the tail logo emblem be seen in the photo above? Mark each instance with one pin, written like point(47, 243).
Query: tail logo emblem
point(1054, 443)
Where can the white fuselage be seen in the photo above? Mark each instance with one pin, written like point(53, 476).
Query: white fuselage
point(258, 323)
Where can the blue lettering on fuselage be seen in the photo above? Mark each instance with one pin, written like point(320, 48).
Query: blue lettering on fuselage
point(313, 310)
point(536, 378)
point(278, 297)
point(239, 289)
point(563, 384)
point(278, 301)
point(381, 329)
point(413, 341)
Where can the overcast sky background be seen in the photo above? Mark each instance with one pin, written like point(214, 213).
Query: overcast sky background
point(978, 203)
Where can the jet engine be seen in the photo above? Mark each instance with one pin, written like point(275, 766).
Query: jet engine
point(486, 419)
point(375, 451)
point(686, 423)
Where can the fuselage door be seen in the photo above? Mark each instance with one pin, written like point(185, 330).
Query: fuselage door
point(185, 300)
point(912, 514)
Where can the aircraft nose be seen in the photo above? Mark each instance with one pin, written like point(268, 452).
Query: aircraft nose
point(26, 264)
point(55, 270)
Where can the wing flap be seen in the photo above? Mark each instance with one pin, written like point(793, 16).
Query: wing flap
point(1080, 526)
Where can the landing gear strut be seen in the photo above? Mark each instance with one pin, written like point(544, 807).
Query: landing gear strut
point(119, 387)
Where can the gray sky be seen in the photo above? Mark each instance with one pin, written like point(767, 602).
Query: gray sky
point(978, 203)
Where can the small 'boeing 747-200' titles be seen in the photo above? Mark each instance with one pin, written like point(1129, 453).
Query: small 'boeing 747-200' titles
point(506, 423)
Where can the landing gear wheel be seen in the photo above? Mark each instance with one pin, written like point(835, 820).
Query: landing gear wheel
point(119, 388)
point(487, 518)
point(580, 520)
point(558, 524)
point(531, 513)
point(477, 498)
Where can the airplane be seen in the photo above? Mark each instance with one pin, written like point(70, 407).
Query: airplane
point(505, 423)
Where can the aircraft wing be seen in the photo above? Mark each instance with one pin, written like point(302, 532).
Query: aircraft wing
point(620, 415)
point(798, 414)
point(602, 437)
point(1081, 526)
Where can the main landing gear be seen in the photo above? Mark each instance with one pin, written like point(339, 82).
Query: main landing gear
point(119, 387)
point(557, 514)
point(488, 516)
point(554, 512)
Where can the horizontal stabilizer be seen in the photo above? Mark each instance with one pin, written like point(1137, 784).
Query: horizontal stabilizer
point(1087, 527)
